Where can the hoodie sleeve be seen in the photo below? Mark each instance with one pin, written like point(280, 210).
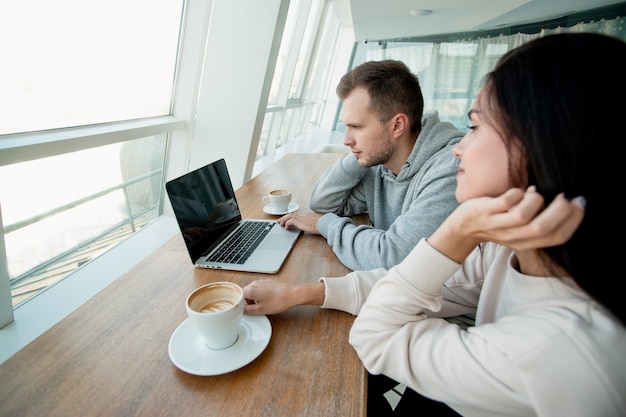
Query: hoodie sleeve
point(337, 190)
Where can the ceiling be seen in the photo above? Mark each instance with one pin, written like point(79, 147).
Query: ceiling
point(388, 19)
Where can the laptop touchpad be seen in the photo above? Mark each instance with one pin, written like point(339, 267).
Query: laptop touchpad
point(277, 242)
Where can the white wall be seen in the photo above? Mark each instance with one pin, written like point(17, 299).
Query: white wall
point(243, 41)
point(340, 67)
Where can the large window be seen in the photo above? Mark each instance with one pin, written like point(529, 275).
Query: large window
point(78, 80)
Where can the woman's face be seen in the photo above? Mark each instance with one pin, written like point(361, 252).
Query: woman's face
point(483, 168)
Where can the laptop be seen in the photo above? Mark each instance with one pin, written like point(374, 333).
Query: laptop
point(213, 229)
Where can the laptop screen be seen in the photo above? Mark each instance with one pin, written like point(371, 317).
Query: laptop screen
point(205, 206)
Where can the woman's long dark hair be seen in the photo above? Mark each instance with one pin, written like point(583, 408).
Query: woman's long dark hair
point(560, 100)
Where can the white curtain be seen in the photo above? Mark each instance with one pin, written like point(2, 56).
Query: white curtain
point(450, 72)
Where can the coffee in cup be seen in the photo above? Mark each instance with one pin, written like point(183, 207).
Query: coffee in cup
point(216, 310)
point(278, 199)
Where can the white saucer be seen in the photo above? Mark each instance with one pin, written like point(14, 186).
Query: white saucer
point(290, 209)
point(189, 353)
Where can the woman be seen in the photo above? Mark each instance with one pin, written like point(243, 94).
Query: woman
point(549, 336)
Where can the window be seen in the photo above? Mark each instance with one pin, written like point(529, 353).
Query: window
point(73, 63)
point(61, 211)
point(78, 81)
point(302, 81)
point(450, 67)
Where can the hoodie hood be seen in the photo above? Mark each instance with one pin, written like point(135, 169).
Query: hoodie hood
point(435, 136)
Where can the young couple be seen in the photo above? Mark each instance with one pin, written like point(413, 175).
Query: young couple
point(526, 250)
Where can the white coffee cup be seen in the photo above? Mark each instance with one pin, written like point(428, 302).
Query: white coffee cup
point(278, 200)
point(216, 310)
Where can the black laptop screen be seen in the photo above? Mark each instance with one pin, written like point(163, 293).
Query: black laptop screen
point(205, 206)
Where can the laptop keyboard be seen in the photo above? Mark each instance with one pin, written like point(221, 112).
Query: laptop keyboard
point(240, 245)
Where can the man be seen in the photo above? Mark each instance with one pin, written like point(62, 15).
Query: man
point(401, 170)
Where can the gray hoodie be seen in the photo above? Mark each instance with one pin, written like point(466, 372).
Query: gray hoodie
point(402, 209)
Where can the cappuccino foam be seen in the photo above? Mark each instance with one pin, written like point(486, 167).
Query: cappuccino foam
point(279, 192)
point(217, 305)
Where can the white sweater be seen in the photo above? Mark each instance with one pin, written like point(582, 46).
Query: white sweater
point(540, 346)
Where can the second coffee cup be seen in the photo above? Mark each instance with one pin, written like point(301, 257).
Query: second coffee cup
point(278, 199)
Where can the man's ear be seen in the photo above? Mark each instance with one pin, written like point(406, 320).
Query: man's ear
point(400, 124)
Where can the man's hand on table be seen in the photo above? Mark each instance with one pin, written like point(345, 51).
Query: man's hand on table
point(307, 222)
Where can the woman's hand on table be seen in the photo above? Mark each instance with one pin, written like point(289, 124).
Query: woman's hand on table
point(267, 296)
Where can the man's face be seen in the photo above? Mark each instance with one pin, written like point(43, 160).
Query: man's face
point(368, 140)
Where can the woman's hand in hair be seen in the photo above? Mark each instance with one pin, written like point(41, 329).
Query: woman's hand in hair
point(518, 219)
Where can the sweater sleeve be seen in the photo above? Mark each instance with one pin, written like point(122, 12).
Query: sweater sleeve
point(348, 293)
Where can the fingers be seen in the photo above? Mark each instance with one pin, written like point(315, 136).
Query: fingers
point(251, 294)
point(518, 219)
point(285, 220)
point(529, 225)
point(253, 309)
point(307, 222)
point(557, 223)
point(516, 207)
point(263, 296)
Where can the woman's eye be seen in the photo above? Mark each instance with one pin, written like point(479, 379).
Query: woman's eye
point(472, 127)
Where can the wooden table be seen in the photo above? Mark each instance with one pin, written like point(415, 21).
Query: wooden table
point(110, 356)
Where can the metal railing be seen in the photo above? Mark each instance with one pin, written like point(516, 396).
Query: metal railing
point(59, 266)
